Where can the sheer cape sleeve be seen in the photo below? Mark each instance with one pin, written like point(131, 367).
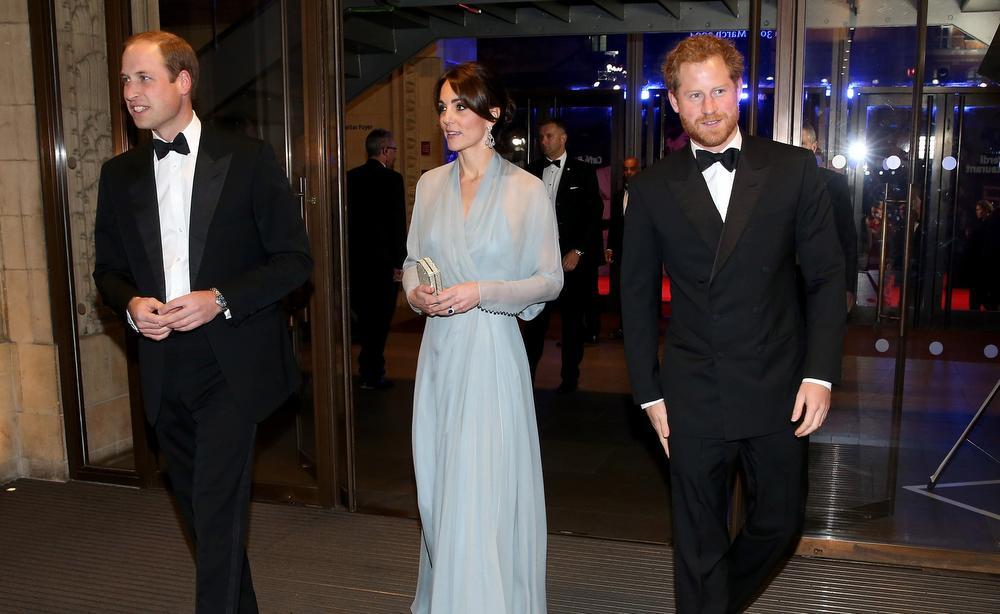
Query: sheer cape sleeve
point(539, 263)
point(410, 279)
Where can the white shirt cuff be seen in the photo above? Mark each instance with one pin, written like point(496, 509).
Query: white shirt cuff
point(128, 317)
point(651, 403)
point(821, 382)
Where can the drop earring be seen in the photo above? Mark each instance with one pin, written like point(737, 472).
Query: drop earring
point(490, 141)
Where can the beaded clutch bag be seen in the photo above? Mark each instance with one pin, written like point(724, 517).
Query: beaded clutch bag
point(429, 275)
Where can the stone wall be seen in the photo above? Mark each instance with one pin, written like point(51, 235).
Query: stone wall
point(32, 441)
point(32, 437)
point(86, 106)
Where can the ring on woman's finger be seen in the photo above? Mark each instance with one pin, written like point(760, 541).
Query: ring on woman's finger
point(451, 311)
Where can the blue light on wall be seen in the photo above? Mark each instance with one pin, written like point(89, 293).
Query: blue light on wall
point(458, 50)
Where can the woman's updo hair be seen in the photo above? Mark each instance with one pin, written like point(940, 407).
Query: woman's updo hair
point(479, 90)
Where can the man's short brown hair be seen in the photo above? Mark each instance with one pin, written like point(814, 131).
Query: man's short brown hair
point(553, 121)
point(700, 48)
point(177, 53)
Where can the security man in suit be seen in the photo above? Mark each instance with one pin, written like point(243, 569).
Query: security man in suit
point(573, 188)
point(748, 359)
point(198, 238)
point(843, 215)
point(616, 227)
point(376, 214)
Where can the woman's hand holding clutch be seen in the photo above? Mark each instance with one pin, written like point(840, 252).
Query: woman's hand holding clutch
point(423, 299)
point(456, 299)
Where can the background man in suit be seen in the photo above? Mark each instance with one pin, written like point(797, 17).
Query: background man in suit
point(747, 367)
point(198, 237)
point(843, 215)
point(613, 252)
point(376, 214)
point(572, 186)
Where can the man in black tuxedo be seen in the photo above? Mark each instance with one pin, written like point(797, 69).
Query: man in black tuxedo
point(572, 186)
point(198, 237)
point(843, 215)
point(613, 251)
point(747, 368)
point(376, 213)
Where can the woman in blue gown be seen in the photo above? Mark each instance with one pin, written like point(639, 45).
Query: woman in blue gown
point(490, 228)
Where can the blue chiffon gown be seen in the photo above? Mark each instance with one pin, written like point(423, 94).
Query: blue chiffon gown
point(475, 439)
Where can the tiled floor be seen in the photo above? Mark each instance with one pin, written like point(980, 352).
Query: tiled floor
point(78, 547)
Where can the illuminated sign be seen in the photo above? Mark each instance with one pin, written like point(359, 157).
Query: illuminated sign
point(768, 34)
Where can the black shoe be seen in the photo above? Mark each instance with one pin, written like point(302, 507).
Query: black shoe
point(379, 384)
point(566, 388)
point(617, 334)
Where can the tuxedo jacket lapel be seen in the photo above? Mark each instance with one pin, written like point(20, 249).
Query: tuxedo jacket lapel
point(751, 173)
point(210, 172)
point(688, 185)
point(147, 214)
point(565, 180)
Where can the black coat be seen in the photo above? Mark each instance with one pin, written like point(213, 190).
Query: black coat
point(376, 213)
point(739, 341)
point(847, 230)
point(247, 239)
point(579, 209)
point(616, 225)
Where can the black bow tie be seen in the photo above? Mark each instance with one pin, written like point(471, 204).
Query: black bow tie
point(548, 162)
point(728, 158)
point(179, 144)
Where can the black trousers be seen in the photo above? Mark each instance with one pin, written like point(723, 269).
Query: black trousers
point(573, 302)
point(208, 447)
point(374, 303)
point(712, 573)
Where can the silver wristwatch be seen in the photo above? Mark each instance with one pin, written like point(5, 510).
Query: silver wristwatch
point(221, 302)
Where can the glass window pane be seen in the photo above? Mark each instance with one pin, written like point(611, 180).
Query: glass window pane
point(976, 286)
point(853, 127)
point(251, 82)
point(881, 442)
point(87, 128)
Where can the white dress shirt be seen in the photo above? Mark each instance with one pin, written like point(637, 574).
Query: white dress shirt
point(720, 186)
point(174, 177)
point(174, 181)
point(552, 175)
